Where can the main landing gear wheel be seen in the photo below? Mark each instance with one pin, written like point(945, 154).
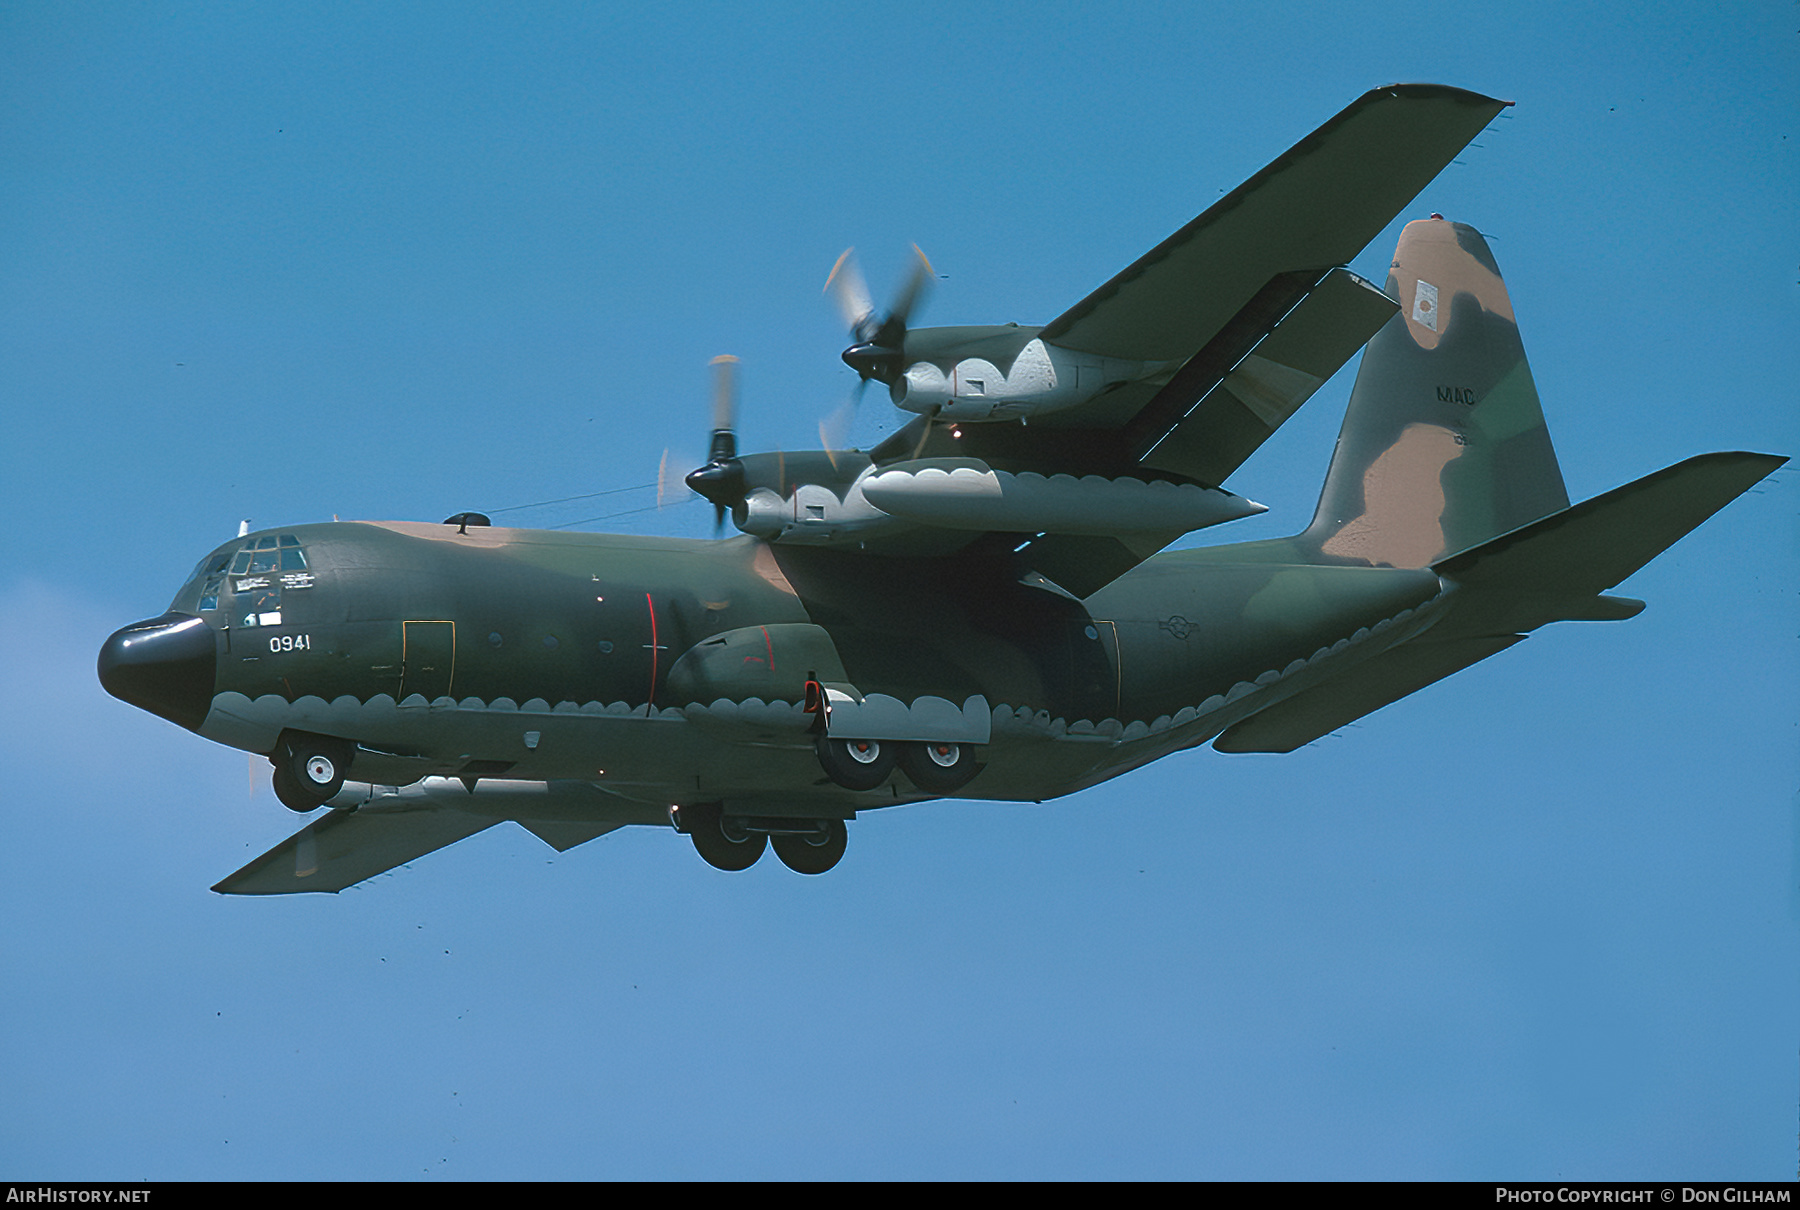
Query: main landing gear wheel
point(937, 767)
point(857, 764)
point(813, 852)
point(721, 845)
point(309, 770)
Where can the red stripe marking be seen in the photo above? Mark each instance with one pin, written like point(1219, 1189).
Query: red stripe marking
point(650, 705)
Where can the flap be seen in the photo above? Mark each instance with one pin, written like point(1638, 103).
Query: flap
point(1083, 564)
point(1242, 409)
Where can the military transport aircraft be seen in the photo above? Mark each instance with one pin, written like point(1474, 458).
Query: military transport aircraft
point(976, 607)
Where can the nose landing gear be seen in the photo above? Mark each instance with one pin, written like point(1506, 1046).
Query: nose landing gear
point(309, 769)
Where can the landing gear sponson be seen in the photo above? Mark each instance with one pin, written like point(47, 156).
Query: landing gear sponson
point(936, 766)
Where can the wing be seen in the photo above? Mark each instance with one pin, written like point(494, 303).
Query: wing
point(384, 827)
point(343, 848)
point(1210, 297)
point(1249, 300)
point(1190, 359)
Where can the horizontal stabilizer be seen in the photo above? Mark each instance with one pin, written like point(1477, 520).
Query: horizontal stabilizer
point(1381, 681)
point(1554, 569)
point(1585, 550)
point(341, 848)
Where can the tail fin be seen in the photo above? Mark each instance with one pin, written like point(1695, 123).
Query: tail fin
point(1444, 444)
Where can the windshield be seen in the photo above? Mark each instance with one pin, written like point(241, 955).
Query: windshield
point(244, 581)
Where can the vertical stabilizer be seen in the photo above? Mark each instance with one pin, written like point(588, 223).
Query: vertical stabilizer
point(1444, 444)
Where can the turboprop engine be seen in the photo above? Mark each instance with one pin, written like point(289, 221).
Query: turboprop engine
point(1005, 373)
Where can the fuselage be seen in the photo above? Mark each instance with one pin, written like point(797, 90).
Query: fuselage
point(668, 670)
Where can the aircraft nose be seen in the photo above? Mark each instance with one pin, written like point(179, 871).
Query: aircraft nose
point(164, 665)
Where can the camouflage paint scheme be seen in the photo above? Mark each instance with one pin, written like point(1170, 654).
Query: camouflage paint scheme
point(581, 682)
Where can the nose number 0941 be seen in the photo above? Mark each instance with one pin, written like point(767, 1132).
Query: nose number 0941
point(291, 642)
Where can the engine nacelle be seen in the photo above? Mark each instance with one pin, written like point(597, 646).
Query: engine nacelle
point(812, 513)
point(1038, 378)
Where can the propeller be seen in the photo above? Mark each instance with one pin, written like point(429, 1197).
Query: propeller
point(724, 417)
point(721, 480)
point(834, 430)
point(878, 348)
point(878, 344)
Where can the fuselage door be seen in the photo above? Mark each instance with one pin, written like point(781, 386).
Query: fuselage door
point(1094, 669)
point(428, 659)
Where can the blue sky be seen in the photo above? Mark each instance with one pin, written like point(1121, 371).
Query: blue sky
point(1538, 921)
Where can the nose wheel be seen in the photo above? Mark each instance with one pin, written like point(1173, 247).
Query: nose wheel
point(309, 770)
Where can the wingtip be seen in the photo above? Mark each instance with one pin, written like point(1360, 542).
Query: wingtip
point(1426, 91)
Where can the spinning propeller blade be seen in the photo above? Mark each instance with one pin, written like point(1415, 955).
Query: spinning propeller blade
point(878, 345)
point(850, 292)
point(834, 430)
point(931, 418)
point(721, 480)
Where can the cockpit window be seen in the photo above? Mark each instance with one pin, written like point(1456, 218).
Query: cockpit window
point(259, 572)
